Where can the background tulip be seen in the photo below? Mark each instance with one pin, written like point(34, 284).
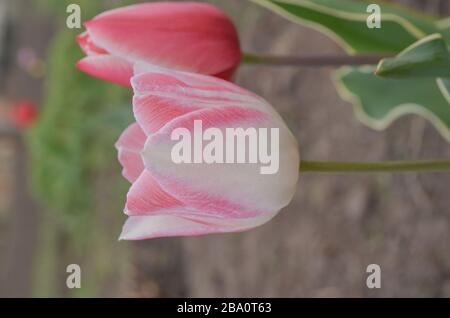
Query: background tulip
point(194, 37)
point(24, 113)
point(168, 199)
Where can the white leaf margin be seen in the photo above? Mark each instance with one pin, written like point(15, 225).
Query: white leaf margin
point(397, 112)
point(358, 17)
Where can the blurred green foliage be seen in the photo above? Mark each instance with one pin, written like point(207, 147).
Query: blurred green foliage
point(80, 120)
point(73, 164)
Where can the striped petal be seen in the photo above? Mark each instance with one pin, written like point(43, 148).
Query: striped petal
point(129, 146)
point(156, 80)
point(161, 95)
point(154, 226)
point(146, 196)
point(226, 190)
point(153, 112)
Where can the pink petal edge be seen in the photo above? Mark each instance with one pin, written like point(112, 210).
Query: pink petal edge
point(129, 147)
point(107, 67)
point(154, 226)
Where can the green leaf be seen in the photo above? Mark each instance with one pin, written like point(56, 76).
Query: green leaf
point(444, 28)
point(377, 102)
point(346, 22)
point(428, 57)
point(444, 86)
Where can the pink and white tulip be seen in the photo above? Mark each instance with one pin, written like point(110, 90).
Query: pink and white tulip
point(189, 36)
point(169, 199)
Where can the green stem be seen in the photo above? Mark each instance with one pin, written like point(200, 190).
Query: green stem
point(324, 60)
point(383, 166)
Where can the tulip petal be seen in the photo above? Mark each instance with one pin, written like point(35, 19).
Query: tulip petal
point(164, 95)
point(107, 67)
point(150, 79)
point(146, 196)
point(153, 226)
point(129, 146)
point(88, 47)
point(199, 37)
point(214, 188)
point(132, 139)
point(153, 112)
point(132, 164)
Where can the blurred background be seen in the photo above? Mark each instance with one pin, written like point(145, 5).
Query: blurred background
point(62, 195)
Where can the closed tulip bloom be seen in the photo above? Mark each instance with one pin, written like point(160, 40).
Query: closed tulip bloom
point(186, 199)
point(189, 36)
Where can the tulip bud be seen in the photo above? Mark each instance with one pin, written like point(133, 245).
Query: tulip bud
point(202, 196)
point(194, 37)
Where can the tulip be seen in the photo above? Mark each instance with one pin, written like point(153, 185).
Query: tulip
point(189, 36)
point(189, 199)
